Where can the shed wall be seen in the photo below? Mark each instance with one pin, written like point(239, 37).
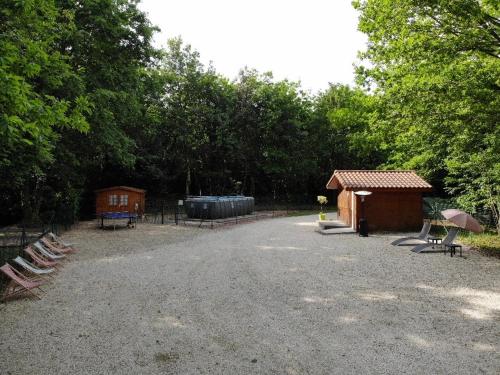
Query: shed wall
point(394, 211)
point(102, 201)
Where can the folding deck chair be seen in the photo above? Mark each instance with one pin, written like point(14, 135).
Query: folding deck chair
point(19, 284)
point(39, 260)
point(421, 236)
point(46, 253)
point(55, 248)
point(57, 241)
point(30, 267)
point(448, 240)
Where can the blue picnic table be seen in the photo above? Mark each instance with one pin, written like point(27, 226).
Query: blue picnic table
point(125, 215)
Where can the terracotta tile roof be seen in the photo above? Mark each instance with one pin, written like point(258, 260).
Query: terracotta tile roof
point(384, 180)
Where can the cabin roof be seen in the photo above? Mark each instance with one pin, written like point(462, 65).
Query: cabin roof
point(128, 188)
point(378, 180)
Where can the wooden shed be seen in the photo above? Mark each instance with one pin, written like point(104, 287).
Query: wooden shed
point(395, 203)
point(120, 199)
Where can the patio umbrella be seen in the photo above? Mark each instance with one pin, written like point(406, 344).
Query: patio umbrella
point(462, 220)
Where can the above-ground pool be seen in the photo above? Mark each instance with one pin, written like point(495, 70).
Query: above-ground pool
point(218, 207)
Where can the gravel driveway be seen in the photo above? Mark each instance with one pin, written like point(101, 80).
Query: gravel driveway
point(270, 297)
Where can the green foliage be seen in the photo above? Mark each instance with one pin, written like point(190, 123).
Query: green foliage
point(272, 128)
point(33, 73)
point(109, 46)
point(189, 114)
point(475, 179)
point(342, 115)
point(70, 78)
point(435, 67)
point(87, 102)
point(221, 137)
point(488, 243)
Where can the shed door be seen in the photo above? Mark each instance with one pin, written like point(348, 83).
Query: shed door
point(345, 206)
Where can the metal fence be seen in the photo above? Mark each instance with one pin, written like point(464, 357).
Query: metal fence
point(169, 211)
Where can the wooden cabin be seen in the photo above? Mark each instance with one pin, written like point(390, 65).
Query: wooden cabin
point(394, 205)
point(120, 199)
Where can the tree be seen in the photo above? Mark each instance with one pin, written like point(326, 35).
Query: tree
point(436, 67)
point(32, 109)
point(271, 126)
point(343, 116)
point(182, 104)
point(109, 48)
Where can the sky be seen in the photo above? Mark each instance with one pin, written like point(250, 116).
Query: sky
point(313, 41)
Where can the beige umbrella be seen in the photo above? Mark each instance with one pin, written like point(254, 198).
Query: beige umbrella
point(462, 220)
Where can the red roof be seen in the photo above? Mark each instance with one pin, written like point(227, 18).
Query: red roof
point(121, 188)
point(378, 180)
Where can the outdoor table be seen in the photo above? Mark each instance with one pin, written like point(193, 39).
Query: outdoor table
point(434, 240)
point(453, 248)
point(131, 217)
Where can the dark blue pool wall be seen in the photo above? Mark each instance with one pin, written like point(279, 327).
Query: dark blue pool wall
point(218, 207)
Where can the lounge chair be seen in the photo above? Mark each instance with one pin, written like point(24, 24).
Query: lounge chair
point(448, 240)
point(56, 249)
point(19, 284)
point(58, 241)
point(30, 267)
point(39, 260)
point(421, 236)
point(46, 253)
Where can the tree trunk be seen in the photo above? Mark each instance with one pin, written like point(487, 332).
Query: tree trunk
point(188, 180)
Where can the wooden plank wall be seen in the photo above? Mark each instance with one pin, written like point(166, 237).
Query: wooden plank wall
point(102, 201)
point(396, 211)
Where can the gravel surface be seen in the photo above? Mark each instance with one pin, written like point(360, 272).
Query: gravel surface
point(270, 297)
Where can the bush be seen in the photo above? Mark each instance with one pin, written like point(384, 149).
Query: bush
point(488, 243)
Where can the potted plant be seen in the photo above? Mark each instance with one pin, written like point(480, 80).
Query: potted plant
point(322, 200)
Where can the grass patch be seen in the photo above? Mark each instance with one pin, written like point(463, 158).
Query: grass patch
point(311, 212)
point(487, 243)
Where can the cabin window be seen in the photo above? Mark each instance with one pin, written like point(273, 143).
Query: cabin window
point(123, 200)
point(113, 200)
